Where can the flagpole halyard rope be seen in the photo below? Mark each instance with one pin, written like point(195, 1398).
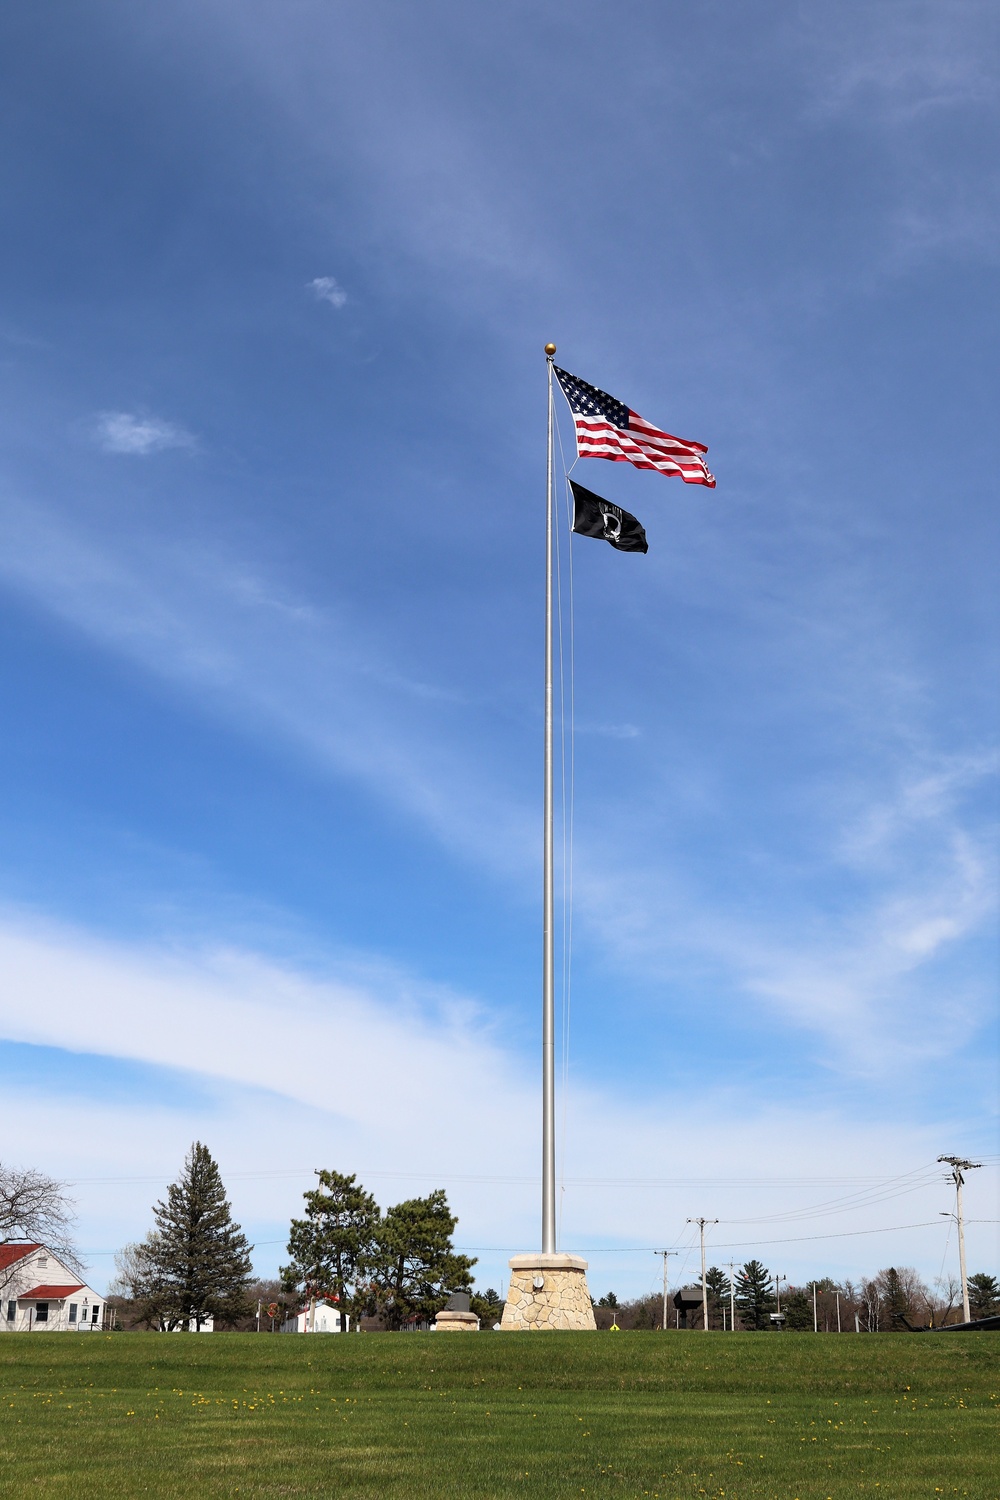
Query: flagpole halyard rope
point(567, 687)
point(560, 611)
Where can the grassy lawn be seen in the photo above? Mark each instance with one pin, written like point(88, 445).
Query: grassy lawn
point(679, 1416)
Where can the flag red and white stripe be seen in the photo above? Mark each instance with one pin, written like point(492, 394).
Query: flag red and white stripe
point(607, 428)
point(645, 446)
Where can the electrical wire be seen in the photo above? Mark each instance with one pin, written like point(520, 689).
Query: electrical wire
point(864, 1198)
point(449, 1176)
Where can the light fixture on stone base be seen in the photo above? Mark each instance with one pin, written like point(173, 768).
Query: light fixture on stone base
point(456, 1316)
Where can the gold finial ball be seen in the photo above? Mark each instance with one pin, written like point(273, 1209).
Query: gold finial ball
point(550, 349)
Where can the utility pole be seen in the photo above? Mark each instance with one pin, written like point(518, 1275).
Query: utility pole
point(665, 1254)
point(839, 1330)
point(959, 1165)
point(732, 1297)
point(815, 1321)
point(779, 1278)
point(704, 1284)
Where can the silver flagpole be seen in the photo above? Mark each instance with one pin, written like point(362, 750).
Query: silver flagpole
point(548, 877)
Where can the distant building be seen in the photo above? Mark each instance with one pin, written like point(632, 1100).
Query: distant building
point(38, 1292)
point(322, 1317)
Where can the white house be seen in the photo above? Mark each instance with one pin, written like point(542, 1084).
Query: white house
point(38, 1292)
point(320, 1317)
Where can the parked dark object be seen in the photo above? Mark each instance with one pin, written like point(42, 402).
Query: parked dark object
point(978, 1325)
point(685, 1301)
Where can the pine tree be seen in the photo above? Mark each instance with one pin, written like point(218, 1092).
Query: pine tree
point(894, 1297)
point(334, 1248)
point(984, 1294)
point(753, 1295)
point(487, 1307)
point(717, 1283)
point(798, 1310)
point(418, 1267)
point(202, 1257)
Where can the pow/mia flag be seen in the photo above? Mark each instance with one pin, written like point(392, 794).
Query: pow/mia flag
point(593, 516)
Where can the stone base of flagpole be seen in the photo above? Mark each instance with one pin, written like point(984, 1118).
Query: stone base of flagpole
point(547, 1291)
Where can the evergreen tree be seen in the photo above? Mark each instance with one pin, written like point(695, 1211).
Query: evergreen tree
point(753, 1295)
point(894, 1297)
point(418, 1268)
point(198, 1258)
point(717, 1283)
point(488, 1308)
point(798, 1310)
point(984, 1295)
point(334, 1248)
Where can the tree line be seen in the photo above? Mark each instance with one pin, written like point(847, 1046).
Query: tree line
point(396, 1266)
point(894, 1299)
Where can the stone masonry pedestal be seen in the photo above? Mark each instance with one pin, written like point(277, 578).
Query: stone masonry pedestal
point(548, 1291)
point(450, 1321)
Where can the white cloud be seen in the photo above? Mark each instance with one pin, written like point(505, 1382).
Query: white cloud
point(905, 72)
point(903, 59)
point(859, 973)
point(124, 432)
point(328, 289)
point(370, 1070)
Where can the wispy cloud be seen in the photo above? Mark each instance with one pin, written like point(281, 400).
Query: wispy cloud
point(857, 963)
point(430, 1094)
point(904, 59)
point(911, 868)
point(908, 73)
point(125, 432)
point(328, 289)
point(609, 731)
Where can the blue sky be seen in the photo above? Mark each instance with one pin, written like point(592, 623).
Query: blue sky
point(270, 606)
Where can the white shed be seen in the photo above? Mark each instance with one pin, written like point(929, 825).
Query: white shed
point(319, 1317)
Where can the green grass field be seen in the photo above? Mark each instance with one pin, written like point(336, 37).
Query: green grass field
point(679, 1416)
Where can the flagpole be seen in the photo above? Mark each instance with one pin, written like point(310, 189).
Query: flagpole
point(548, 872)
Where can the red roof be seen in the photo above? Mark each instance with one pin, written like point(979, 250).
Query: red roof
point(49, 1293)
point(10, 1253)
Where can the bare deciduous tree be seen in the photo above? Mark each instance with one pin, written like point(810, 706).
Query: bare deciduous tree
point(137, 1287)
point(871, 1305)
point(949, 1293)
point(36, 1207)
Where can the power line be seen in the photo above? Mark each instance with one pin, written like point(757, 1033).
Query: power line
point(649, 1249)
point(596, 1182)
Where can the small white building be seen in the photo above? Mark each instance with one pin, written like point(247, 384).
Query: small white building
point(207, 1325)
point(38, 1292)
point(319, 1317)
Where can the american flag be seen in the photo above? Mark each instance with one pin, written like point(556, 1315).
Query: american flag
point(606, 428)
